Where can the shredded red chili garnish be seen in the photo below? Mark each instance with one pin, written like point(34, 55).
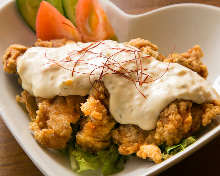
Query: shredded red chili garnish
point(111, 66)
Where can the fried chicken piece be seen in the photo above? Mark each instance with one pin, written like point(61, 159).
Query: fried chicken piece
point(99, 92)
point(30, 103)
point(96, 129)
point(174, 123)
point(129, 138)
point(52, 43)
point(52, 127)
point(210, 111)
point(150, 151)
point(203, 114)
point(190, 59)
point(13, 51)
point(178, 120)
point(10, 57)
point(147, 47)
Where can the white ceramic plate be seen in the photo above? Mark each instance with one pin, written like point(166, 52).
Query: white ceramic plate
point(177, 26)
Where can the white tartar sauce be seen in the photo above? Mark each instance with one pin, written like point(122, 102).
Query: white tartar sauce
point(140, 86)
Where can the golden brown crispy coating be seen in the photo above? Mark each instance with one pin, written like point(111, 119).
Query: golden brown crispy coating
point(150, 151)
point(210, 111)
point(96, 128)
point(99, 92)
point(13, 51)
point(178, 120)
point(51, 127)
point(51, 43)
point(190, 59)
point(174, 123)
point(129, 138)
point(147, 47)
point(30, 103)
point(10, 57)
point(204, 114)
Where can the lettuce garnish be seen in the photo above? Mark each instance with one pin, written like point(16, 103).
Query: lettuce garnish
point(168, 151)
point(104, 162)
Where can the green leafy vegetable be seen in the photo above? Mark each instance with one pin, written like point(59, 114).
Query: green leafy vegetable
point(29, 8)
point(111, 161)
point(69, 7)
point(188, 141)
point(106, 162)
point(82, 161)
point(172, 150)
point(58, 4)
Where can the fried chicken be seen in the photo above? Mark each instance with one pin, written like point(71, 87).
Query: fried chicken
point(29, 102)
point(52, 127)
point(129, 138)
point(190, 59)
point(10, 57)
point(96, 129)
point(99, 92)
point(147, 47)
point(150, 151)
point(13, 51)
point(51, 43)
point(174, 123)
point(178, 120)
point(51, 118)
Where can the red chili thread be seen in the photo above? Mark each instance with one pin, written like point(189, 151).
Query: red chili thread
point(110, 61)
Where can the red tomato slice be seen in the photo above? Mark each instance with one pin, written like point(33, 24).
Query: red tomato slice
point(51, 24)
point(92, 21)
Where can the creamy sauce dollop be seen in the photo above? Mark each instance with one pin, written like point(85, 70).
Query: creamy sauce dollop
point(140, 86)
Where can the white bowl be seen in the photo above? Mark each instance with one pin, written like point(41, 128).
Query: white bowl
point(177, 26)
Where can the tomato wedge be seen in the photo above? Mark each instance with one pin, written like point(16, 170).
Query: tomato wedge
point(51, 24)
point(92, 21)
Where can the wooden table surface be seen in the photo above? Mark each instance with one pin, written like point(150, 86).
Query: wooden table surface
point(14, 162)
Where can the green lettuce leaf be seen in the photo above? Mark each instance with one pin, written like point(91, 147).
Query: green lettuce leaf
point(172, 150)
point(82, 161)
point(106, 162)
point(112, 161)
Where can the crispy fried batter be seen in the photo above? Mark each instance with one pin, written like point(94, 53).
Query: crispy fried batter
point(178, 120)
point(51, 127)
point(13, 51)
point(174, 123)
point(99, 92)
point(190, 59)
point(210, 110)
point(29, 102)
point(150, 151)
point(147, 47)
point(129, 138)
point(96, 128)
point(10, 57)
point(51, 43)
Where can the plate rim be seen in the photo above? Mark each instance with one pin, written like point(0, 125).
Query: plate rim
point(156, 168)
